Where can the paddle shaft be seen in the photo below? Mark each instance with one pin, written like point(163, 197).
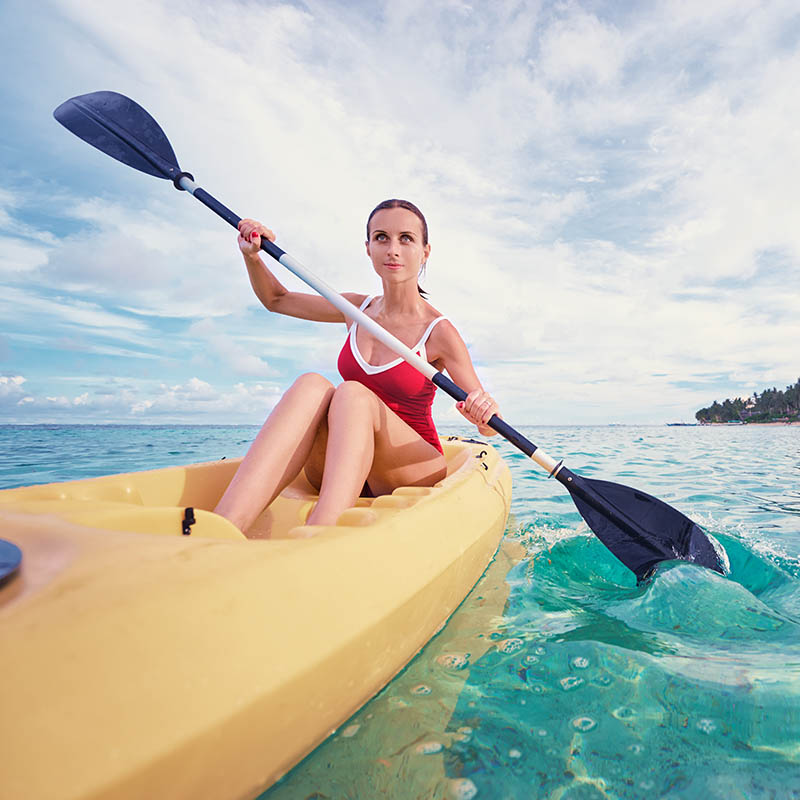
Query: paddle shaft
point(352, 312)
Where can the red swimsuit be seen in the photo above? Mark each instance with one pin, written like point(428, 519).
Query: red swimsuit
point(407, 392)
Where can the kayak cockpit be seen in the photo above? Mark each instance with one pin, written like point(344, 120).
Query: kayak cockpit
point(155, 502)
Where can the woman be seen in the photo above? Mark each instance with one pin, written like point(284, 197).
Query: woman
point(374, 430)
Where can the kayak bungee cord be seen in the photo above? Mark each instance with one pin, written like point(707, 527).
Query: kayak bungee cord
point(640, 530)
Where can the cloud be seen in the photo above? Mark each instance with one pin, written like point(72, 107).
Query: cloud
point(155, 259)
point(19, 256)
point(198, 400)
point(135, 400)
point(223, 347)
point(11, 390)
point(23, 249)
point(29, 312)
point(581, 49)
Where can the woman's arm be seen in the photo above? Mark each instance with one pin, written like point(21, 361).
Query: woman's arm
point(450, 353)
point(271, 292)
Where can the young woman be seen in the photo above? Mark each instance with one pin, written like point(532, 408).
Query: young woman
point(374, 431)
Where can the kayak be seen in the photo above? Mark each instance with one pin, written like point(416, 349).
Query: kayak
point(150, 649)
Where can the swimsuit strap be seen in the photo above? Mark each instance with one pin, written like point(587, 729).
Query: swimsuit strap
point(428, 330)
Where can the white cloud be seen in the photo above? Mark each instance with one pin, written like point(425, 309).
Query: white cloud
point(196, 399)
point(223, 347)
point(156, 260)
point(579, 48)
point(30, 311)
point(11, 390)
point(20, 256)
point(23, 248)
point(135, 400)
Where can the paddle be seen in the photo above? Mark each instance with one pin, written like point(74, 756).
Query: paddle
point(638, 529)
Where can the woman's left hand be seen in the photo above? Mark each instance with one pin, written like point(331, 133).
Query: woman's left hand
point(479, 408)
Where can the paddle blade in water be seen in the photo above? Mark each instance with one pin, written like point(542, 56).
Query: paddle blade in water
point(122, 129)
point(640, 530)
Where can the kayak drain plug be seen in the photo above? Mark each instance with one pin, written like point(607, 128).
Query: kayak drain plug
point(188, 521)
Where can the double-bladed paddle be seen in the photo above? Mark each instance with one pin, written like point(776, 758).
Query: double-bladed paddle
point(640, 530)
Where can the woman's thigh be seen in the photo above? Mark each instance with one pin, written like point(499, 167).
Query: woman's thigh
point(402, 457)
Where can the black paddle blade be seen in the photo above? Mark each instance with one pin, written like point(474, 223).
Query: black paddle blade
point(122, 129)
point(638, 529)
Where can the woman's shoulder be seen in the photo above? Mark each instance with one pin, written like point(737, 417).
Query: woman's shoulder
point(444, 343)
point(356, 298)
point(444, 335)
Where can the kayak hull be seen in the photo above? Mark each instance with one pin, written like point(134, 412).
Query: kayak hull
point(138, 661)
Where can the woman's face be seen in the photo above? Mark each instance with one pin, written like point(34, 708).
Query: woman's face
point(395, 244)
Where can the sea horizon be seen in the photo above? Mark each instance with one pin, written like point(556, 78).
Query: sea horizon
point(439, 426)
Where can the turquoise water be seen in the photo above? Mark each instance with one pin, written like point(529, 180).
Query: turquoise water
point(46, 453)
point(580, 684)
point(687, 687)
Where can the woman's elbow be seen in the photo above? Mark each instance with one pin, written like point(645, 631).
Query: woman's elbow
point(272, 303)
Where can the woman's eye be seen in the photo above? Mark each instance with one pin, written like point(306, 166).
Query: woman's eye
point(405, 238)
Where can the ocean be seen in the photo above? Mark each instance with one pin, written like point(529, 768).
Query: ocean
point(558, 677)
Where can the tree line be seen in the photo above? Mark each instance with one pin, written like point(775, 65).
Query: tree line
point(772, 405)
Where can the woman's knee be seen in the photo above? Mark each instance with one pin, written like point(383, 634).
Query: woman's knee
point(307, 398)
point(313, 383)
point(354, 404)
point(353, 394)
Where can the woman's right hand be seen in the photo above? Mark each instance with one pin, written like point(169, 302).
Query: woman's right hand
point(250, 233)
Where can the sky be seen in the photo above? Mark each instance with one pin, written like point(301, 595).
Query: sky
point(610, 187)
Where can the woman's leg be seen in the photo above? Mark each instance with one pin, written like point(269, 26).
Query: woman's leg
point(368, 441)
point(280, 450)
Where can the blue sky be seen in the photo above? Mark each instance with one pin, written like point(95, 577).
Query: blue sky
point(611, 191)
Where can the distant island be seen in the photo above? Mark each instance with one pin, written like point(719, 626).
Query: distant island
point(772, 405)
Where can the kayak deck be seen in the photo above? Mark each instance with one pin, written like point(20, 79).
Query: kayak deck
point(138, 661)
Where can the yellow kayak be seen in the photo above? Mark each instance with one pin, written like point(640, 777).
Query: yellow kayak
point(149, 649)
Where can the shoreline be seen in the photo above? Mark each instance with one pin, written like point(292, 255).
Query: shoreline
point(747, 424)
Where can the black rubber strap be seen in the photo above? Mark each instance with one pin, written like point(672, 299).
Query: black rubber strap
point(188, 521)
point(177, 180)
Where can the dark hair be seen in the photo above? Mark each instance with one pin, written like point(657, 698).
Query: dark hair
point(408, 206)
